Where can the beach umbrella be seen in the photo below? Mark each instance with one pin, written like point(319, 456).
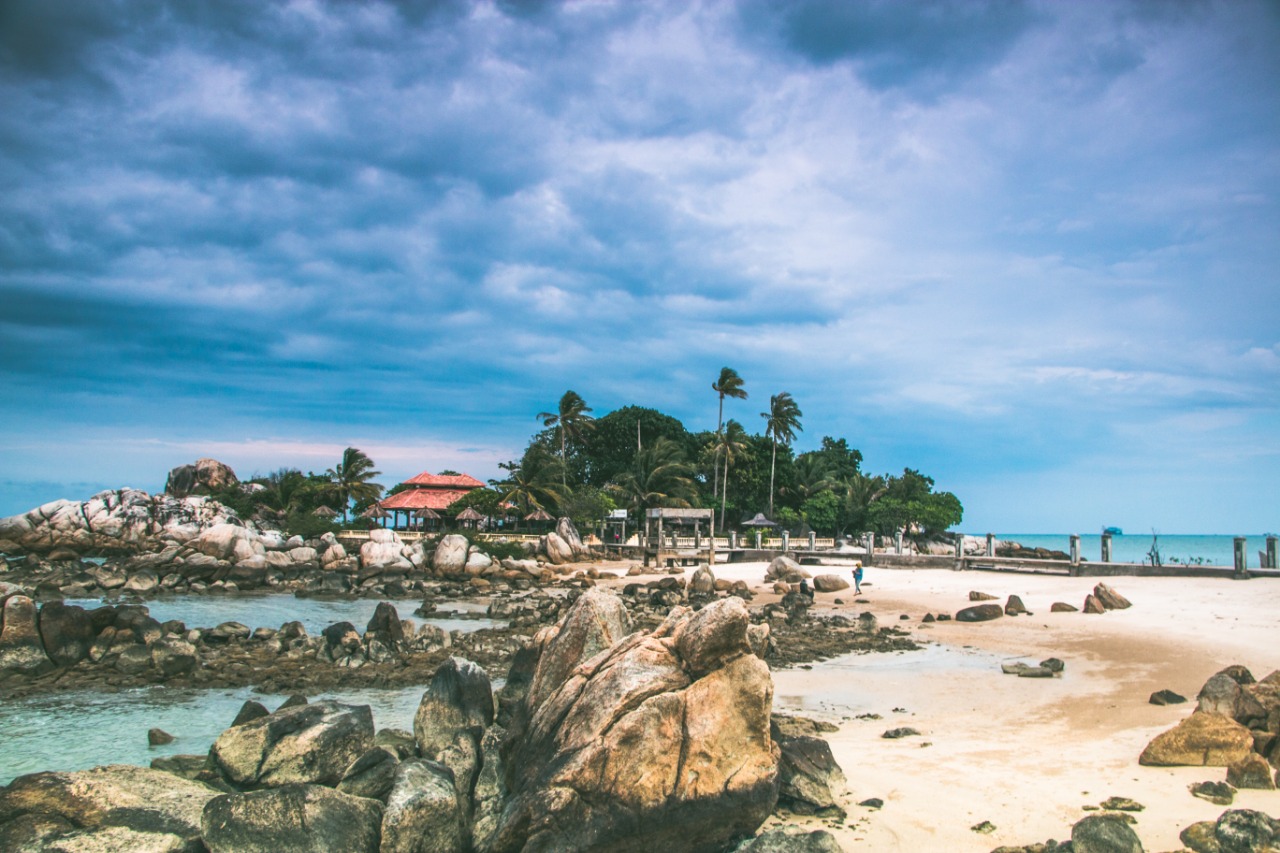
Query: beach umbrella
point(375, 511)
point(325, 512)
point(759, 521)
point(426, 513)
point(469, 514)
point(540, 515)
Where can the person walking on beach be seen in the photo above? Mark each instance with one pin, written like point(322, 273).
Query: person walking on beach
point(857, 577)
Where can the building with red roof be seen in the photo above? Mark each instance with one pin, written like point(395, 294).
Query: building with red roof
point(428, 494)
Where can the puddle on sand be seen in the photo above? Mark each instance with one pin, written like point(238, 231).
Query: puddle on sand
point(860, 683)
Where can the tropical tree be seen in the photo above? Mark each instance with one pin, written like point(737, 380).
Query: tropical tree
point(352, 479)
point(812, 476)
point(534, 482)
point(572, 422)
point(781, 424)
point(659, 476)
point(728, 385)
point(731, 443)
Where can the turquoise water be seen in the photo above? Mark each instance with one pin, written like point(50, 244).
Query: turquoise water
point(76, 731)
point(1132, 547)
point(271, 610)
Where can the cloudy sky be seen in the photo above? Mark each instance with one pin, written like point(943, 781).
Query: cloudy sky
point(1030, 249)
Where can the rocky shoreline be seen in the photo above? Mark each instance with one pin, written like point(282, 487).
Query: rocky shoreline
point(602, 736)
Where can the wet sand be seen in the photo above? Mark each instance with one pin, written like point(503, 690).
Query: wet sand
point(1024, 754)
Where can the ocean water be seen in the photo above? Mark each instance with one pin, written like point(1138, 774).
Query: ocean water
point(76, 731)
point(271, 610)
point(1132, 547)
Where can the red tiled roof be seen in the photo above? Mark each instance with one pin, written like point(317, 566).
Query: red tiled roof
point(460, 481)
point(436, 499)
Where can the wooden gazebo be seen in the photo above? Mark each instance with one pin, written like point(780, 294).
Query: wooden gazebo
point(469, 517)
point(660, 529)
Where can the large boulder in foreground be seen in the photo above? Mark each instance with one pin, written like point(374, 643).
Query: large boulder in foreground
point(1201, 740)
point(423, 811)
point(452, 717)
point(660, 742)
point(1235, 831)
point(312, 743)
point(596, 622)
point(116, 807)
point(292, 819)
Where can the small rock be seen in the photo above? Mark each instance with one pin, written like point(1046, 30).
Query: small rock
point(1014, 606)
point(1102, 833)
point(1063, 607)
point(984, 828)
point(974, 595)
point(1166, 697)
point(872, 803)
point(980, 613)
point(904, 731)
point(249, 712)
point(1111, 599)
point(158, 737)
point(1053, 664)
point(1122, 804)
point(1218, 793)
point(1036, 672)
point(1093, 605)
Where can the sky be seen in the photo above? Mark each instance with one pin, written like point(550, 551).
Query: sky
point(1030, 249)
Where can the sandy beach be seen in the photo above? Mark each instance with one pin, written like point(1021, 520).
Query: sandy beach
point(1025, 755)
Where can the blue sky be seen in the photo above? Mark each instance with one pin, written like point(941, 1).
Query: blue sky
point(1030, 249)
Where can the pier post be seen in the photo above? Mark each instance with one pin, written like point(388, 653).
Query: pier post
point(897, 544)
point(1241, 558)
point(813, 541)
point(697, 536)
point(1106, 547)
point(959, 552)
point(991, 544)
point(1271, 553)
point(1075, 549)
point(757, 540)
point(786, 541)
point(871, 547)
point(733, 540)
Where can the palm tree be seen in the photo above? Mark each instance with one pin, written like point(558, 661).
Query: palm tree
point(781, 423)
point(728, 385)
point(533, 483)
point(571, 421)
point(351, 479)
point(282, 490)
point(659, 476)
point(812, 476)
point(730, 443)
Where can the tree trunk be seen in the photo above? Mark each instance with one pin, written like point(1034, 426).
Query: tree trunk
point(772, 465)
point(715, 474)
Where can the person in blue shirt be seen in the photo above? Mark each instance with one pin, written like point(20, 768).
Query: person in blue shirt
point(857, 577)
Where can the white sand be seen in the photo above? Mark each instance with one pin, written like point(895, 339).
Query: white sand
point(1025, 754)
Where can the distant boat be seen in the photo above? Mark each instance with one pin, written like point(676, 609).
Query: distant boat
point(1113, 531)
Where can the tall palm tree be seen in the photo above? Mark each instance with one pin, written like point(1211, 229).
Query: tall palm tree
point(659, 476)
point(533, 483)
point(282, 490)
point(572, 422)
point(351, 479)
point(781, 423)
point(730, 444)
point(728, 385)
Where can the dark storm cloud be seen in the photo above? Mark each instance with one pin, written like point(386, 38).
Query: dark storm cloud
point(895, 44)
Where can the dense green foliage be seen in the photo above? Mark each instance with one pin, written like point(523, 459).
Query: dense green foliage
point(635, 458)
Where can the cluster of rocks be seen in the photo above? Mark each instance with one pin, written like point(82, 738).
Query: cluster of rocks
point(37, 638)
point(227, 557)
point(1236, 725)
point(1102, 599)
point(604, 738)
point(1235, 831)
point(786, 576)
